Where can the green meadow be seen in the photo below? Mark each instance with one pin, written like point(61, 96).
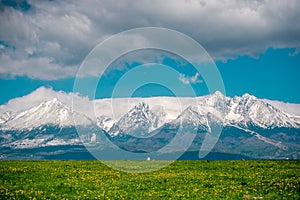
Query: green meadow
point(180, 180)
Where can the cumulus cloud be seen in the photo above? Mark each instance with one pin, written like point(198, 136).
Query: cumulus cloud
point(50, 39)
point(190, 80)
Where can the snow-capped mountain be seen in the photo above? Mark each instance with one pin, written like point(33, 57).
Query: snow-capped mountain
point(248, 111)
point(50, 112)
point(246, 120)
point(50, 123)
point(217, 101)
point(193, 117)
point(139, 121)
point(245, 111)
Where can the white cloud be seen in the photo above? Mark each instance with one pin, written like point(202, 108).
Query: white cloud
point(190, 80)
point(290, 108)
point(50, 40)
point(38, 68)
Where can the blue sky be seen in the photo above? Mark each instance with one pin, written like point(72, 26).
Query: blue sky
point(273, 75)
point(255, 45)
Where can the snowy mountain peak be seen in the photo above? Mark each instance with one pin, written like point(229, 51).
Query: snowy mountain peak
point(142, 106)
point(53, 104)
point(191, 113)
point(216, 100)
point(249, 110)
point(192, 116)
point(248, 97)
point(49, 112)
point(218, 94)
point(140, 119)
point(140, 112)
point(216, 97)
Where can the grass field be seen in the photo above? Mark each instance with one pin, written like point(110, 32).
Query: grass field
point(180, 180)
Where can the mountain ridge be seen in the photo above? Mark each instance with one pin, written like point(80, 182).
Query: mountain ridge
point(257, 121)
point(243, 111)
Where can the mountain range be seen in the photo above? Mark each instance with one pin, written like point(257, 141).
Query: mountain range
point(249, 127)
